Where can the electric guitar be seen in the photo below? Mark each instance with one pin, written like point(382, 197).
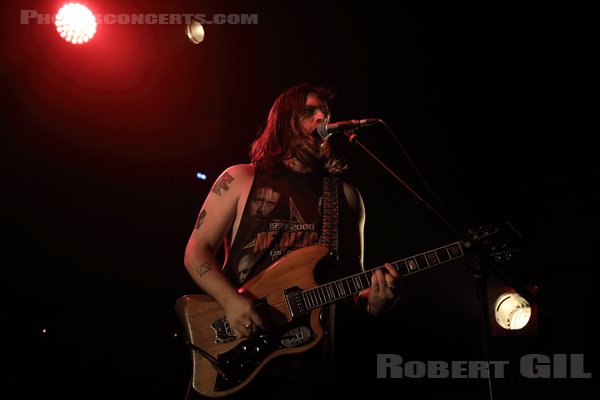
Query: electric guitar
point(290, 301)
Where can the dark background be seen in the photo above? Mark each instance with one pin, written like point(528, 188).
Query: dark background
point(494, 102)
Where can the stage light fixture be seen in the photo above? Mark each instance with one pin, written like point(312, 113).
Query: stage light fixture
point(76, 23)
point(195, 31)
point(512, 311)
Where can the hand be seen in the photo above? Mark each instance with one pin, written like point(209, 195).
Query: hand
point(384, 289)
point(242, 315)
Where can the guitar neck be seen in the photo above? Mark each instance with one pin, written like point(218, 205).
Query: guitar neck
point(333, 291)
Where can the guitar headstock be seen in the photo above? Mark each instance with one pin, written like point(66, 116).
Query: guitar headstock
point(498, 241)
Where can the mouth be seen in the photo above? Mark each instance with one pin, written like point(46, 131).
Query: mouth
point(316, 138)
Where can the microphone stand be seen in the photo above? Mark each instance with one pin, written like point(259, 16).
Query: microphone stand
point(479, 272)
point(353, 138)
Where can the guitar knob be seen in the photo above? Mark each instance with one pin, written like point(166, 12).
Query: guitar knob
point(265, 339)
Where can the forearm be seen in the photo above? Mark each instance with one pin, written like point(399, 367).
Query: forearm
point(206, 272)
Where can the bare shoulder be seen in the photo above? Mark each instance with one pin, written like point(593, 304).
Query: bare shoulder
point(353, 198)
point(237, 177)
point(242, 172)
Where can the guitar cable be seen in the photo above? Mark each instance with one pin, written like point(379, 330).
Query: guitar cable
point(213, 361)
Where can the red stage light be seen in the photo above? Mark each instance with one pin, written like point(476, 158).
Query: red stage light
point(75, 23)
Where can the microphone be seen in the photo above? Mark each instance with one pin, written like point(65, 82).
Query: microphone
point(327, 129)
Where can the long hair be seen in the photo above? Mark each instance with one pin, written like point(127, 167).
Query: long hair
point(278, 141)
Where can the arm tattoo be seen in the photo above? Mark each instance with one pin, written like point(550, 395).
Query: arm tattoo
point(222, 183)
point(202, 269)
point(200, 219)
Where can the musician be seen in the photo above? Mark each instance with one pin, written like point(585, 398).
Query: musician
point(266, 209)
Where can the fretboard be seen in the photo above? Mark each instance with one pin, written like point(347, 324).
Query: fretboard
point(333, 291)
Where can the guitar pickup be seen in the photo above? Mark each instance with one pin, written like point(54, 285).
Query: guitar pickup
point(295, 301)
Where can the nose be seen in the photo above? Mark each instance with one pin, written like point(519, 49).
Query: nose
point(319, 117)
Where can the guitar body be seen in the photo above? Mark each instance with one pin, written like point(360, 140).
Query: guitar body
point(224, 364)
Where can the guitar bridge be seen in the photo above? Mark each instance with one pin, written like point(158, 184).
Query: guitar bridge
point(223, 331)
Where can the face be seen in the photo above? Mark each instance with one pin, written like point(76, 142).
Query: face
point(314, 114)
point(263, 203)
point(244, 267)
point(312, 148)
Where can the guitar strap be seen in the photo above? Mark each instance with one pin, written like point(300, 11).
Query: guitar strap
point(329, 238)
point(330, 212)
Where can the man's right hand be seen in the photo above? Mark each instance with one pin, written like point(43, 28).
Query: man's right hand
point(243, 316)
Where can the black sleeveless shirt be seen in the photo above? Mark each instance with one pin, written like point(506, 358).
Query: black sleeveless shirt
point(282, 214)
